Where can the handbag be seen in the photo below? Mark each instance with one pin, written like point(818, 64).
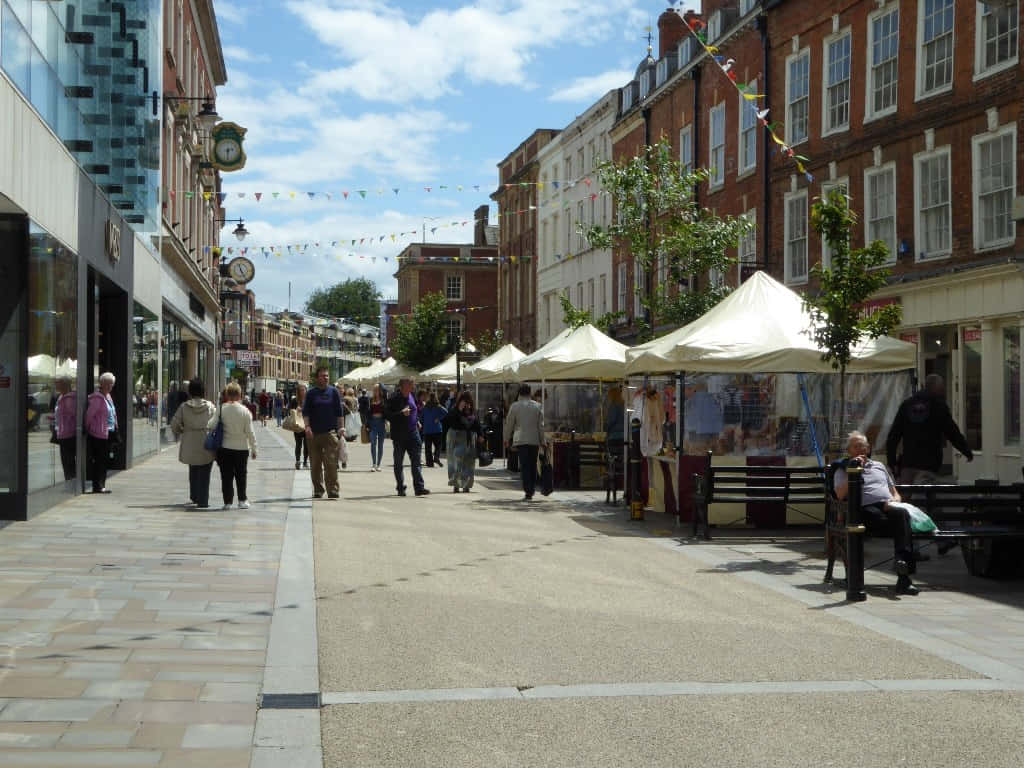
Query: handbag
point(352, 426)
point(215, 437)
point(485, 458)
point(294, 421)
point(547, 477)
point(364, 434)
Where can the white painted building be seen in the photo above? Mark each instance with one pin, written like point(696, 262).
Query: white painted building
point(570, 194)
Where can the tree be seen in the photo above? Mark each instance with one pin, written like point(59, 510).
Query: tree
point(488, 342)
point(421, 340)
point(576, 318)
point(844, 285)
point(357, 300)
point(659, 222)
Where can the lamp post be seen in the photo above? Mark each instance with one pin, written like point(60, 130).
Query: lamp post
point(240, 231)
point(207, 115)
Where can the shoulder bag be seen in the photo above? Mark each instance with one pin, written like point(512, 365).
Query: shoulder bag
point(215, 437)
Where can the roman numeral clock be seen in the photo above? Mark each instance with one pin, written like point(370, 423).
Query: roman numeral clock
point(228, 154)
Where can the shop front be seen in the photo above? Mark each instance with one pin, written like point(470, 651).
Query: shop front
point(967, 328)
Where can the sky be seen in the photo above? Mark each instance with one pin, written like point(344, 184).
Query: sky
point(339, 96)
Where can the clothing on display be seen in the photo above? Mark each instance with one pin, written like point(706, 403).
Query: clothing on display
point(647, 407)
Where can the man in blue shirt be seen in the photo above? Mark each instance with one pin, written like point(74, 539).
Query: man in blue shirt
point(403, 413)
point(324, 416)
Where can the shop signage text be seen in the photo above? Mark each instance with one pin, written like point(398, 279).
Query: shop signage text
point(112, 241)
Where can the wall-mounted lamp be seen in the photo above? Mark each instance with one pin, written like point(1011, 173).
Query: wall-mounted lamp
point(207, 116)
point(240, 231)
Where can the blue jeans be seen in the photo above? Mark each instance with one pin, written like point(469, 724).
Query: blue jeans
point(378, 431)
point(411, 446)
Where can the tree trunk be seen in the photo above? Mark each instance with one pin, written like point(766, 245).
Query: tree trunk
point(842, 402)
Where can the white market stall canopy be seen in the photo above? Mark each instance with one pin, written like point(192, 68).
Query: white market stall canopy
point(581, 353)
point(445, 372)
point(761, 327)
point(494, 369)
point(370, 373)
point(46, 366)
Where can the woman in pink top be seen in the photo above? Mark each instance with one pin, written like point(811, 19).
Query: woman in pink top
point(101, 431)
point(64, 418)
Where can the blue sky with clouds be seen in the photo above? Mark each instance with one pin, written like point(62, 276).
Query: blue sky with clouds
point(342, 95)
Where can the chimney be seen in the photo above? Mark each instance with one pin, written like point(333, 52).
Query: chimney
point(671, 31)
point(481, 217)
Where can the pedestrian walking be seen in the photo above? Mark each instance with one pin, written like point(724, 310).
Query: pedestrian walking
point(923, 424)
point(325, 419)
point(378, 427)
point(65, 417)
point(279, 407)
point(101, 431)
point(524, 431)
point(189, 424)
point(433, 429)
point(295, 410)
point(364, 407)
point(402, 411)
point(465, 435)
point(253, 409)
point(239, 443)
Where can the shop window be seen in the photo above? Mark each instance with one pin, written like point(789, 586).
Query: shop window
point(972, 387)
point(1011, 385)
point(145, 382)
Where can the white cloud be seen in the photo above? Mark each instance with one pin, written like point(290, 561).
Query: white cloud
point(229, 12)
point(389, 56)
point(235, 53)
point(590, 88)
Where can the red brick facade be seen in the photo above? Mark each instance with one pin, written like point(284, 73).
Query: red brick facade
point(517, 201)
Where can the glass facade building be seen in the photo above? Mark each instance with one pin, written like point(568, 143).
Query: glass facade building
point(87, 68)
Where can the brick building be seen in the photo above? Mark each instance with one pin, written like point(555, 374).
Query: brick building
point(466, 273)
point(517, 198)
point(891, 101)
point(287, 347)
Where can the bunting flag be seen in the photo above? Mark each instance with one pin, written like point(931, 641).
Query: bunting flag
point(454, 311)
point(727, 67)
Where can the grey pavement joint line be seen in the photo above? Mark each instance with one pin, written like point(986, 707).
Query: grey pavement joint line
point(292, 738)
point(612, 690)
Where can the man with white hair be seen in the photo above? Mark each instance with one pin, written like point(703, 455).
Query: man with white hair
point(101, 431)
point(883, 516)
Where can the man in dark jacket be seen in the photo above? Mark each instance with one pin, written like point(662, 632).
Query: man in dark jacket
point(402, 410)
point(364, 407)
point(923, 424)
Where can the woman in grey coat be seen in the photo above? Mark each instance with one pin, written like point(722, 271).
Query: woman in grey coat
point(189, 423)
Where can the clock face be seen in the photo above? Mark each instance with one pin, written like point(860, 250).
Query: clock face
point(227, 151)
point(241, 270)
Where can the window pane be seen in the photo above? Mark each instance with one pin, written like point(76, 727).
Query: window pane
point(995, 189)
point(938, 44)
point(884, 51)
point(1011, 385)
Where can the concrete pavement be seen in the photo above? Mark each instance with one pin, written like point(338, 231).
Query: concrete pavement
point(470, 630)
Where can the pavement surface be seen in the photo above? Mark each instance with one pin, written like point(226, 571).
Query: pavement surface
point(470, 630)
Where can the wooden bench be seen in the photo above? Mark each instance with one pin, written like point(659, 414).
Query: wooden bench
point(986, 520)
point(742, 484)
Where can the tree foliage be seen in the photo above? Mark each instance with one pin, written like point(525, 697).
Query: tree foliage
point(488, 341)
point(421, 340)
point(576, 318)
point(353, 299)
point(850, 279)
point(658, 218)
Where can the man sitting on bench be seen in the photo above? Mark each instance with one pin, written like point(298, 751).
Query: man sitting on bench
point(880, 517)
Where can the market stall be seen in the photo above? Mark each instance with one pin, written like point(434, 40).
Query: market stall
point(489, 377)
point(447, 372)
point(756, 391)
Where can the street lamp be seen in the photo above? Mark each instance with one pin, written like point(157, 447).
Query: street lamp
point(240, 231)
point(207, 115)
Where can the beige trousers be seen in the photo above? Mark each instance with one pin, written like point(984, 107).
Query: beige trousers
point(323, 463)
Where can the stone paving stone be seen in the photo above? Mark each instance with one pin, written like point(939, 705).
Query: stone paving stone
point(206, 758)
point(81, 759)
point(118, 689)
point(208, 736)
point(236, 692)
point(41, 687)
point(51, 710)
point(93, 736)
point(159, 736)
point(162, 691)
point(30, 735)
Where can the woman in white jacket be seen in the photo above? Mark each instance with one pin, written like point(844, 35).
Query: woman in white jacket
point(189, 424)
point(239, 443)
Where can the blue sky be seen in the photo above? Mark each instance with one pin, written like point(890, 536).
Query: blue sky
point(343, 95)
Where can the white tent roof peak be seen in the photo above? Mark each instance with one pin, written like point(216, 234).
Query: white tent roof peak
point(761, 327)
point(580, 353)
point(492, 369)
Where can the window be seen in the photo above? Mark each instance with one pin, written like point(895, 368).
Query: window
point(627, 98)
point(880, 207)
point(453, 287)
point(716, 157)
point(581, 240)
point(748, 131)
point(883, 74)
point(621, 305)
point(996, 41)
point(638, 290)
point(798, 84)
point(746, 6)
point(994, 184)
point(603, 298)
point(685, 52)
point(796, 237)
point(932, 201)
point(715, 26)
point(453, 327)
point(580, 161)
point(686, 149)
point(567, 175)
point(1011, 385)
point(568, 231)
point(935, 58)
point(661, 74)
point(837, 84)
point(547, 316)
point(747, 250)
point(645, 84)
point(556, 247)
point(590, 296)
point(826, 189)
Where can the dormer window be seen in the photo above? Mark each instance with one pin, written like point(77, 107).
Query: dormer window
point(627, 98)
point(662, 73)
point(715, 26)
point(746, 6)
point(645, 84)
point(685, 52)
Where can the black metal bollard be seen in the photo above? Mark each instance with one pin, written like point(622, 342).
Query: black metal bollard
point(636, 502)
point(854, 538)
